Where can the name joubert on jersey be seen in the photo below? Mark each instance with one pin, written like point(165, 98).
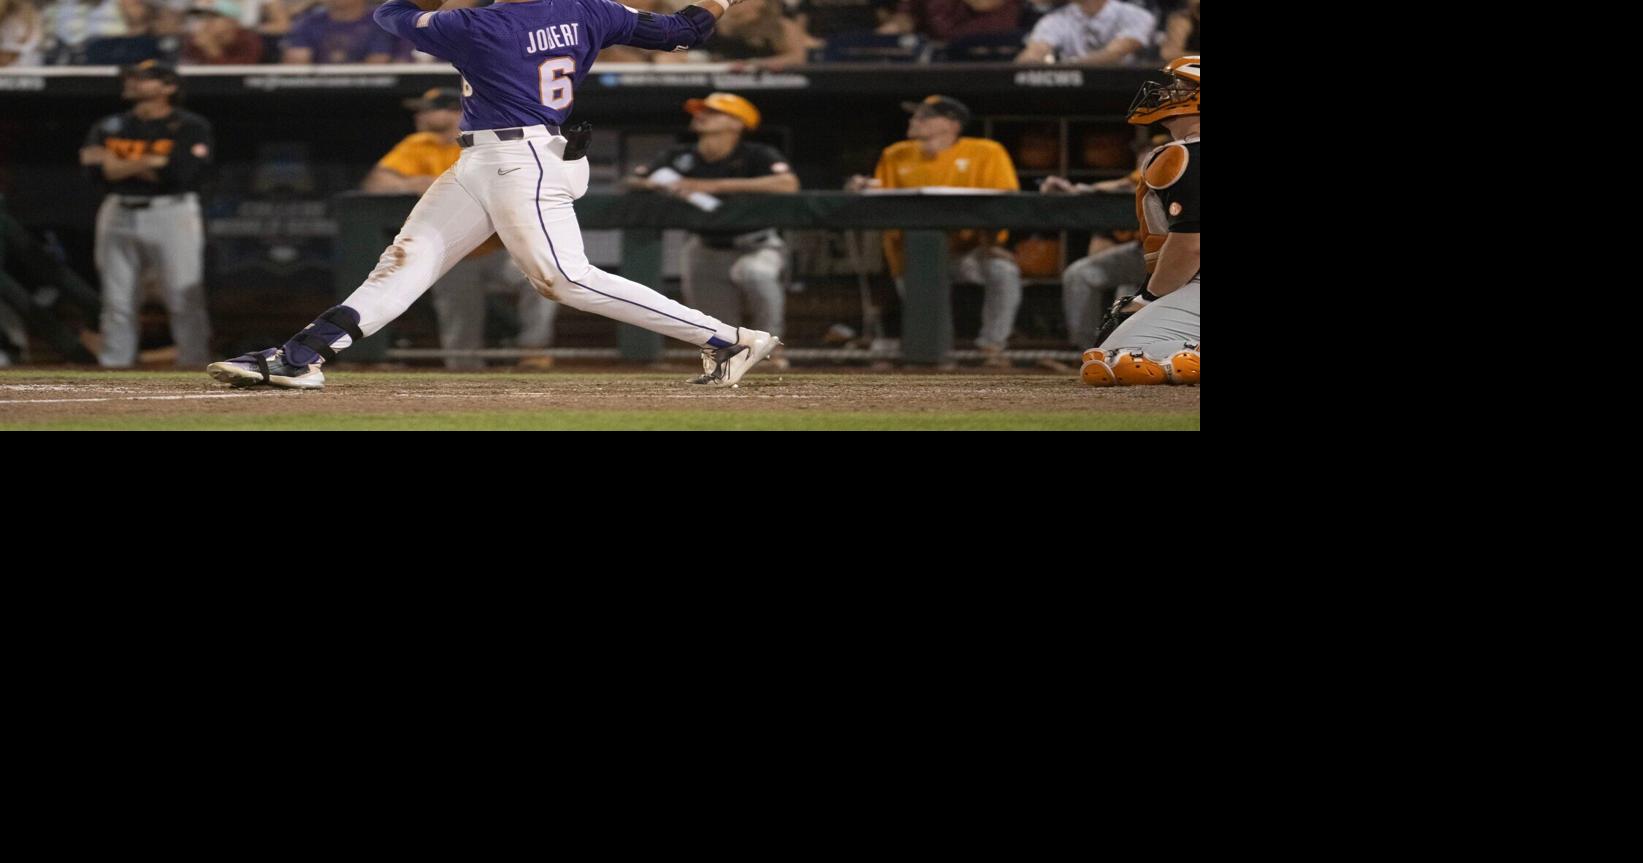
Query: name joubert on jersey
point(552, 37)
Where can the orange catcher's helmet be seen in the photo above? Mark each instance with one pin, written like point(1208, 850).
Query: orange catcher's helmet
point(1173, 98)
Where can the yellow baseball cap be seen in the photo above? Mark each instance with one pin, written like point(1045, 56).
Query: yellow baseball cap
point(728, 103)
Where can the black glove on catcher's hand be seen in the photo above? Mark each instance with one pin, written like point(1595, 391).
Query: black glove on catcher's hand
point(1116, 314)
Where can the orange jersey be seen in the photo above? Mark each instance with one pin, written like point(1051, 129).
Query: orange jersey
point(975, 163)
point(421, 155)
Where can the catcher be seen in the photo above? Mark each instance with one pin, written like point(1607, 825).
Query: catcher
point(1152, 338)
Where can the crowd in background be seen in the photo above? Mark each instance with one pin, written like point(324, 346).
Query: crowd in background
point(761, 33)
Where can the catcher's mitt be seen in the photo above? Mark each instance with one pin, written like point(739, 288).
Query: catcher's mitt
point(1116, 314)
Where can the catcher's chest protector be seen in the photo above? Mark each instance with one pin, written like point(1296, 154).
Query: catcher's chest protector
point(1161, 169)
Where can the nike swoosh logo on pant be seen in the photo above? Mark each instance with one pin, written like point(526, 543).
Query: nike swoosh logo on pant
point(500, 172)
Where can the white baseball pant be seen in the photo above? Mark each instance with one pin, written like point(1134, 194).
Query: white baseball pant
point(523, 191)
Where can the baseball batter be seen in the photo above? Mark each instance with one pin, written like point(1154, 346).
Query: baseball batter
point(1158, 342)
point(520, 171)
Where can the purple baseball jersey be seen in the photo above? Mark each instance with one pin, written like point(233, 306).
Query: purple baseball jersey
point(521, 62)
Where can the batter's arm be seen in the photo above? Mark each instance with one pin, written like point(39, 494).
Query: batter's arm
point(439, 31)
point(690, 27)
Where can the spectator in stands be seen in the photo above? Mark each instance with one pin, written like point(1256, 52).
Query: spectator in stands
point(153, 17)
point(946, 20)
point(71, 24)
point(274, 17)
point(21, 33)
point(341, 31)
point(268, 17)
point(1091, 33)
point(758, 33)
point(1181, 32)
point(937, 155)
point(824, 19)
point(1033, 10)
point(216, 37)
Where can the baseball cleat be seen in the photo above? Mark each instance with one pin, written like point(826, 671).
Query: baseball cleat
point(1133, 369)
point(267, 367)
point(1095, 355)
point(723, 367)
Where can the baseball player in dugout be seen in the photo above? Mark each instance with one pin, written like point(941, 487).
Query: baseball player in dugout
point(728, 275)
point(1152, 338)
point(519, 174)
point(459, 296)
point(150, 162)
point(937, 154)
point(1113, 267)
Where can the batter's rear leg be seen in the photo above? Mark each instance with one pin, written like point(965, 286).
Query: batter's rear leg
point(542, 234)
point(445, 226)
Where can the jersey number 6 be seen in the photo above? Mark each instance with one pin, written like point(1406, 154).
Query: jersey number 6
point(555, 81)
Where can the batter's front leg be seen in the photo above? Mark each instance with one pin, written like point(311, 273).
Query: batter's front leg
point(442, 229)
point(445, 226)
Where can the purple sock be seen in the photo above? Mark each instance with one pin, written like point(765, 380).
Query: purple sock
point(318, 340)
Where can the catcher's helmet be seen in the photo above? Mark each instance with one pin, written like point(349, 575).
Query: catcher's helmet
point(1173, 98)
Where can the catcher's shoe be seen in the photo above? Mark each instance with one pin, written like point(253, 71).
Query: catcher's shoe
point(267, 367)
point(1182, 367)
point(722, 367)
point(1133, 369)
point(1095, 370)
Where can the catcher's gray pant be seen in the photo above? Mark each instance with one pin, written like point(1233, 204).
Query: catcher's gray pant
point(1163, 327)
point(719, 282)
point(1001, 278)
point(1090, 285)
point(459, 300)
point(169, 236)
